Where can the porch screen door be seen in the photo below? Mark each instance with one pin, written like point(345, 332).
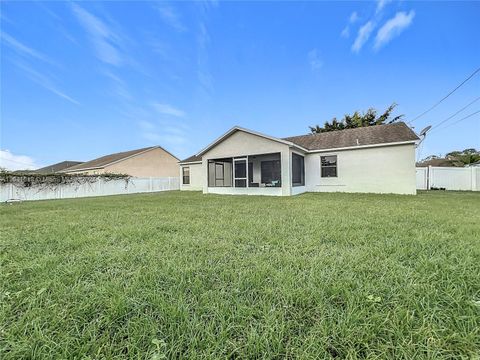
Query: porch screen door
point(240, 172)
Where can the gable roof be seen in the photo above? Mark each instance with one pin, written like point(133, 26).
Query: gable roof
point(395, 133)
point(106, 160)
point(57, 167)
point(358, 137)
point(238, 128)
point(191, 159)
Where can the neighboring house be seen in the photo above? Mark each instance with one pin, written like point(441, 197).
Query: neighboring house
point(147, 162)
point(475, 164)
point(57, 167)
point(440, 162)
point(376, 159)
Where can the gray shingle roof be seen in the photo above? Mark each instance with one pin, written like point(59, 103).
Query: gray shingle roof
point(192, 158)
point(50, 169)
point(371, 135)
point(107, 159)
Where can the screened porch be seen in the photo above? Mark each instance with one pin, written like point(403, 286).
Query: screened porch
point(248, 171)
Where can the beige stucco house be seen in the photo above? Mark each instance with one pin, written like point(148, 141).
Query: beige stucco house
point(376, 159)
point(152, 161)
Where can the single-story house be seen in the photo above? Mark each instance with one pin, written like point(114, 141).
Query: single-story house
point(54, 168)
point(152, 161)
point(376, 159)
point(440, 162)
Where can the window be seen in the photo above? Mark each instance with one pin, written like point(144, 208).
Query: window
point(186, 175)
point(270, 173)
point(298, 170)
point(329, 166)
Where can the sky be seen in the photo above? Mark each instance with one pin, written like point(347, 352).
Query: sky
point(84, 79)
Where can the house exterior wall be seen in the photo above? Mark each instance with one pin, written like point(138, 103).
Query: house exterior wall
point(387, 169)
point(88, 172)
point(153, 163)
point(240, 144)
point(196, 177)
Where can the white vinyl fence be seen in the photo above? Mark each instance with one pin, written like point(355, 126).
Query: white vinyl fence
point(99, 187)
point(450, 178)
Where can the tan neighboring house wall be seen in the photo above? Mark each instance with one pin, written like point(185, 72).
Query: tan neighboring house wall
point(152, 163)
point(87, 172)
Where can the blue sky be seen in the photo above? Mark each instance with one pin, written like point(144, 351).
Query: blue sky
point(84, 79)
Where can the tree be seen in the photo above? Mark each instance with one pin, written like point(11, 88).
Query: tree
point(467, 156)
point(357, 119)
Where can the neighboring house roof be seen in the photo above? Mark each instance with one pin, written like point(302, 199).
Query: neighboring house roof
point(191, 159)
point(333, 140)
point(475, 164)
point(107, 160)
point(441, 162)
point(23, 172)
point(370, 135)
point(57, 167)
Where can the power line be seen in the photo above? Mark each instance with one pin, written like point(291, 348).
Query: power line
point(464, 118)
point(445, 97)
point(459, 111)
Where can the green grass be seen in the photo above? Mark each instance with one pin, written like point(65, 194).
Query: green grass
point(186, 275)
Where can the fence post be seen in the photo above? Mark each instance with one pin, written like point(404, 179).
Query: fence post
point(473, 182)
point(429, 172)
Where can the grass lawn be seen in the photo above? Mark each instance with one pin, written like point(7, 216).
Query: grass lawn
point(186, 275)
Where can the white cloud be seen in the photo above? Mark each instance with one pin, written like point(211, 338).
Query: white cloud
point(169, 131)
point(119, 86)
point(146, 125)
point(346, 30)
point(204, 75)
point(167, 109)
point(44, 81)
point(362, 36)
point(314, 59)
point(393, 28)
point(105, 40)
point(13, 162)
point(354, 17)
point(381, 4)
point(24, 49)
point(170, 17)
point(172, 135)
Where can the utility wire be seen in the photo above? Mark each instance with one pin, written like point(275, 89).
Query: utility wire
point(451, 116)
point(442, 99)
point(464, 118)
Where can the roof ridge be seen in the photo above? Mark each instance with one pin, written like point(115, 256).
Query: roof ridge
point(118, 156)
point(346, 130)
